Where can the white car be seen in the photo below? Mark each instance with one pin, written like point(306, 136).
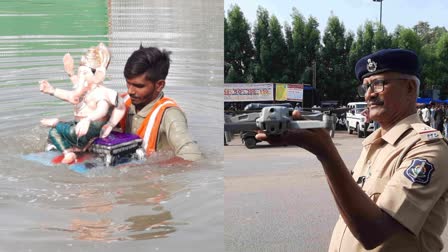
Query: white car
point(357, 122)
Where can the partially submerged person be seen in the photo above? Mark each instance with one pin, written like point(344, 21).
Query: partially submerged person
point(395, 198)
point(93, 104)
point(157, 119)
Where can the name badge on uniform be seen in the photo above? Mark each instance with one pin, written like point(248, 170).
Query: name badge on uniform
point(419, 171)
point(430, 135)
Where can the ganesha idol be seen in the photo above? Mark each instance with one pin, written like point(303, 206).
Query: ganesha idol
point(97, 109)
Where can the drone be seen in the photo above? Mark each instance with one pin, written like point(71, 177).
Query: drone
point(276, 120)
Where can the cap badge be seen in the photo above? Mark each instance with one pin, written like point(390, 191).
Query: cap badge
point(371, 65)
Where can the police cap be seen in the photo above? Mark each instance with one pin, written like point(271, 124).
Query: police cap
point(388, 60)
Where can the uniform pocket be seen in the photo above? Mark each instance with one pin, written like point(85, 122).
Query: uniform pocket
point(374, 187)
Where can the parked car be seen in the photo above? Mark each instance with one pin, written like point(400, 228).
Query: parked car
point(356, 122)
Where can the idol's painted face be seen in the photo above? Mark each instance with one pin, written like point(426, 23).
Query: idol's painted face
point(143, 91)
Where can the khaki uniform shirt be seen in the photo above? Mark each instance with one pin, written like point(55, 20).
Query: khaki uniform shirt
point(405, 172)
point(173, 131)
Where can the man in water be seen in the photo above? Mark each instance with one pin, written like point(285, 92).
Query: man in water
point(157, 119)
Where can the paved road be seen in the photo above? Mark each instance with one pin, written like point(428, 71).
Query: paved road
point(277, 198)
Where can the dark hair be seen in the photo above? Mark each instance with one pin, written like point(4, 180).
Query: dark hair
point(150, 60)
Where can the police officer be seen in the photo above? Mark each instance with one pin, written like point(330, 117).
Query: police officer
point(395, 199)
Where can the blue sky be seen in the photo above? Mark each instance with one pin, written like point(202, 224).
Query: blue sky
point(352, 13)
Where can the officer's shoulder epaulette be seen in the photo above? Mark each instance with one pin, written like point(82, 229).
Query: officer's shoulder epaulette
point(426, 133)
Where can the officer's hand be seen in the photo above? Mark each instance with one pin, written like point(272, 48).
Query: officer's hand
point(316, 141)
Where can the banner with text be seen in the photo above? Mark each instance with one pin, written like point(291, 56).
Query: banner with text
point(281, 92)
point(238, 92)
point(295, 92)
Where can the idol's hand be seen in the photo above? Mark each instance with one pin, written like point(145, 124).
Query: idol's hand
point(46, 87)
point(104, 55)
point(82, 127)
point(69, 65)
point(105, 130)
point(49, 122)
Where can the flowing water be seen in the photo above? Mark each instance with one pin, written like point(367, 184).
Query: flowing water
point(138, 208)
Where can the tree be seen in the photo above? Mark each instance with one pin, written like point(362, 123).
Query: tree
point(298, 39)
point(430, 65)
point(381, 39)
point(227, 53)
point(238, 49)
point(290, 55)
point(262, 42)
point(287, 56)
point(408, 39)
point(311, 41)
point(437, 33)
point(364, 44)
point(442, 55)
point(335, 83)
point(278, 51)
point(424, 31)
point(232, 76)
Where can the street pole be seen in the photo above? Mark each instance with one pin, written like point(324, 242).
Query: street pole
point(381, 11)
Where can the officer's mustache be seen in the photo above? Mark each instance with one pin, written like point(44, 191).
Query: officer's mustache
point(376, 102)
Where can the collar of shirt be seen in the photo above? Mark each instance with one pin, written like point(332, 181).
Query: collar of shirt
point(145, 110)
point(393, 134)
